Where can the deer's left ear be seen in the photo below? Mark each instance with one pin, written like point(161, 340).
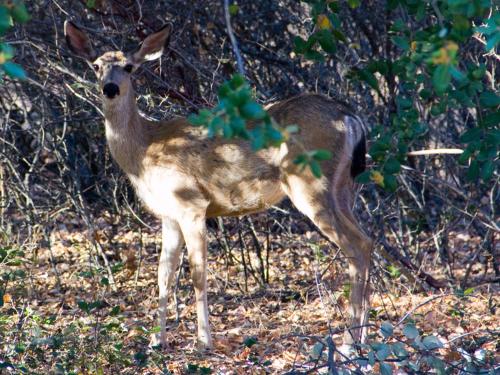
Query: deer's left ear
point(152, 46)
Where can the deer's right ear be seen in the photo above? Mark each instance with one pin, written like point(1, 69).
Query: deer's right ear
point(78, 42)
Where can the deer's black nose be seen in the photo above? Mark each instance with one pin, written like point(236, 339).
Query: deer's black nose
point(111, 90)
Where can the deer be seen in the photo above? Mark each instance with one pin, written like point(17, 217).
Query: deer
point(184, 177)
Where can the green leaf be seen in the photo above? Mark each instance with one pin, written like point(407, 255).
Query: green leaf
point(201, 119)
point(313, 55)
point(339, 35)
point(5, 19)
point(383, 351)
point(250, 341)
point(425, 94)
point(274, 135)
point(399, 350)
point(392, 166)
point(371, 358)
point(394, 271)
point(437, 364)
point(237, 81)
point(410, 331)
point(363, 178)
point(317, 350)
point(385, 369)
point(386, 329)
point(468, 291)
point(301, 159)
point(464, 158)
point(458, 75)
point(493, 137)
point(354, 3)
point(20, 13)
point(224, 90)
point(257, 139)
point(83, 306)
point(487, 170)
point(490, 119)
point(441, 78)
point(432, 342)
point(390, 182)
point(492, 41)
point(13, 70)
point(322, 154)
point(205, 370)
point(489, 99)
point(401, 42)
point(233, 9)
point(253, 111)
point(335, 20)
point(239, 97)
point(315, 168)
point(368, 77)
point(471, 135)
point(325, 39)
point(300, 45)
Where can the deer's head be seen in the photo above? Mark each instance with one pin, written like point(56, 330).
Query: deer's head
point(113, 69)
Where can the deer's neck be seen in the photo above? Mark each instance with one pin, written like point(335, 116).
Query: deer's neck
point(126, 138)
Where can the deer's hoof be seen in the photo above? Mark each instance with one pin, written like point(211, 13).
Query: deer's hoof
point(204, 344)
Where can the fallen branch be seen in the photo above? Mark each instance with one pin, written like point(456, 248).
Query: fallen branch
point(436, 151)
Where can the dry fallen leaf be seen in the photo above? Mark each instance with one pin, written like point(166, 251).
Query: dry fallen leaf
point(7, 298)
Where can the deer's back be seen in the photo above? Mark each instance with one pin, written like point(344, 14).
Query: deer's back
point(182, 164)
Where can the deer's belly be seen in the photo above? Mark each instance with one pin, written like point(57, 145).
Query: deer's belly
point(166, 193)
point(244, 197)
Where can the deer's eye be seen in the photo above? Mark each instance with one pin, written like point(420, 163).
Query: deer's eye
point(96, 67)
point(128, 68)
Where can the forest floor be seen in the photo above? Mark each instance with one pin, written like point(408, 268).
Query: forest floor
point(61, 315)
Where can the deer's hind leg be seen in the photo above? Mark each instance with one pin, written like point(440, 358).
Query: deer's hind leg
point(195, 234)
point(329, 209)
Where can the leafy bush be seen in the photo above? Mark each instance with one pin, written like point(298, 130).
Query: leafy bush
point(10, 12)
point(431, 71)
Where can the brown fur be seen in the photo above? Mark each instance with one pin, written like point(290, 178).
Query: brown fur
point(184, 177)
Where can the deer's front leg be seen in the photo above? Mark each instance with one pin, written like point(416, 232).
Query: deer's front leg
point(195, 234)
point(172, 243)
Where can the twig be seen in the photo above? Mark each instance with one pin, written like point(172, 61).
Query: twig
point(450, 151)
point(419, 306)
point(438, 13)
point(234, 43)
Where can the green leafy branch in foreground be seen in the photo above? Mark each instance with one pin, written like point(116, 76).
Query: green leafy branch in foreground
point(408, 352)
point(238, 115)
point(10, 12)
point(430, 72)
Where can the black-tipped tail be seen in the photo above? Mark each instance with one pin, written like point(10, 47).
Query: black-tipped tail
point(358, 163)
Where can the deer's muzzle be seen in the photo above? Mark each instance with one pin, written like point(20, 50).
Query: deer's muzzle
point(110, 90)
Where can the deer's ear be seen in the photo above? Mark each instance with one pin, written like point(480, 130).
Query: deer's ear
point(78, 42)
point(152, 46)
